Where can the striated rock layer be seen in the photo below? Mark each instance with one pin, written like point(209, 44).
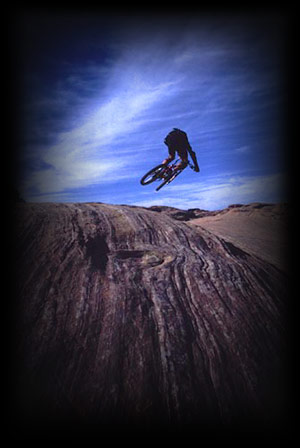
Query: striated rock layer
point(259, 229)
point(125, 315)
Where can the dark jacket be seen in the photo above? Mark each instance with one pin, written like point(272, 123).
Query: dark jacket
point(177, 140)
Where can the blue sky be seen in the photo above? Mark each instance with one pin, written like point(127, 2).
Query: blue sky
point(99, 94)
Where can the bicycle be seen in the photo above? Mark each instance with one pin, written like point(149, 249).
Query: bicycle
point(166, 172)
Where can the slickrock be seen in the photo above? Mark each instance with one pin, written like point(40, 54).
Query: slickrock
point(127, 315)
point(260, 229)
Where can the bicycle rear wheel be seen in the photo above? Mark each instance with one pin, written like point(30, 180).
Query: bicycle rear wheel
point(152, 175)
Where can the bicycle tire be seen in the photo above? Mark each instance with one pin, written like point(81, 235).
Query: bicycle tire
point(155, 173)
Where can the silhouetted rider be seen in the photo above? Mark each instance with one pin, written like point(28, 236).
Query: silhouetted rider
point(177, 141)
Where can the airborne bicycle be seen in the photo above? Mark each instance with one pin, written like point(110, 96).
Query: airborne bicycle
point(166, 173)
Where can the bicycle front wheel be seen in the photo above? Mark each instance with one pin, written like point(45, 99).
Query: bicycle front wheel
point(152, 175)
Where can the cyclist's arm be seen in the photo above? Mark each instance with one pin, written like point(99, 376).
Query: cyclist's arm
point(193, 157)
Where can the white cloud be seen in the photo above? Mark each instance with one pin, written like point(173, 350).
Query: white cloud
point(243, 149)
point(220, 192)
point(86, 153)
point(122, 117)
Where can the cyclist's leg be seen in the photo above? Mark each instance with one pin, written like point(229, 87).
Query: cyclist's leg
point(183, 160)
point(170, 158)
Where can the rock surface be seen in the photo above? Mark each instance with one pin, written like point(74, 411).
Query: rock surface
point(127, 315)
point(260, 229)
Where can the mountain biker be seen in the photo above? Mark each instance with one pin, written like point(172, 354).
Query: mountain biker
point(177, 141)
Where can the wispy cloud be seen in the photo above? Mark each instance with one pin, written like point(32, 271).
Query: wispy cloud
point(87, 152)
point(103, 121)
point(242, 149)
point(219, 192)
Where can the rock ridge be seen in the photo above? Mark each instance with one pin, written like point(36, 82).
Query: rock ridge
point(127, 315)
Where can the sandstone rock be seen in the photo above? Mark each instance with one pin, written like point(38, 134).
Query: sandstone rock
point(259, 229)
point(125, 315)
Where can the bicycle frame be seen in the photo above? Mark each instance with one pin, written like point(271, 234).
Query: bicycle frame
point(168, 169)
point(170, 173)
point(167, 173)
point(173, 165)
